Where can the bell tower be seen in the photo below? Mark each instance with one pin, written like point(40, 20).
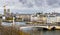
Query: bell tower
point(8, 10)
point(4, 10)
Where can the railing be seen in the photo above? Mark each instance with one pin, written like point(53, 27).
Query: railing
point(38, 25)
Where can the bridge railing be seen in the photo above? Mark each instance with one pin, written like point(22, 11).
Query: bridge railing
point(40, 25)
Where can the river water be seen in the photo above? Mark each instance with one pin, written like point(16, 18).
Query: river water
point(55, 32)
point(31, 31)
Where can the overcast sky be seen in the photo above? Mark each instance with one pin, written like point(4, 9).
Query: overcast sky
point(30, 6)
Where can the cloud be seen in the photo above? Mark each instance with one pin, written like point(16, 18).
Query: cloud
point(53, 3)
point(30, 3)
point(33, 5)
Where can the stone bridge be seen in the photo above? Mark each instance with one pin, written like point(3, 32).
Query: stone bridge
point(39, 26)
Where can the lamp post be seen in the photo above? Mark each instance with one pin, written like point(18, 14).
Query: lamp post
point(13, 24)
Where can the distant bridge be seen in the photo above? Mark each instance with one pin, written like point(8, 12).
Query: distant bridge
point(39, 25)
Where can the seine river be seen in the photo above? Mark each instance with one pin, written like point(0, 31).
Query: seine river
point(31, 31)
point(55, 32)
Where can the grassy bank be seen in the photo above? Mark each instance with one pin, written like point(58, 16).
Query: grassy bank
point(11, 31)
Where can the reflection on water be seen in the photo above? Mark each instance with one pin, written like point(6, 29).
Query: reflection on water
point(55, 32)
point(6, 24)
point(10, 24)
